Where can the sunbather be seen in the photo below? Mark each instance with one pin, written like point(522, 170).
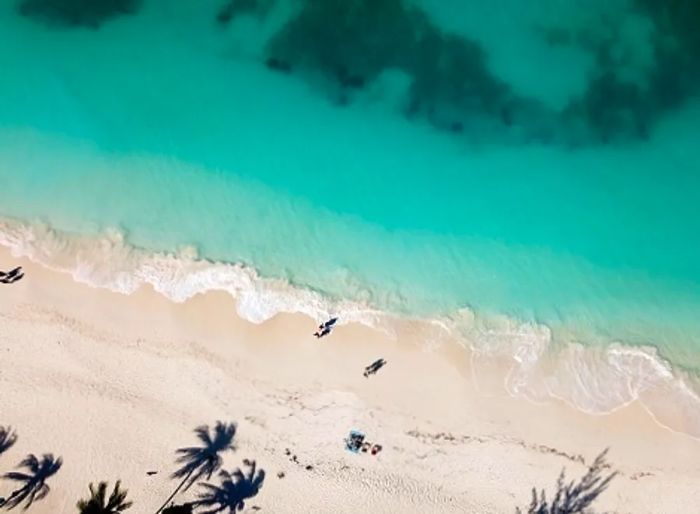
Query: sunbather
point(11, 276)
point(322, 332)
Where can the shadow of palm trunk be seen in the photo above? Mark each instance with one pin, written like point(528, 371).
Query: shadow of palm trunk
point(202, 461)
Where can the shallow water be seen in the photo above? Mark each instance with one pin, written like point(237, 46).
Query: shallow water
point(167, 126)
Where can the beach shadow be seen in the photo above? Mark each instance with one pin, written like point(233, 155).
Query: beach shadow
point(8, 438)
point(199, 462)
point(12, 276)
point(234, 489)
point(34, 486)
point(185, 508)
point(100, 503)
point(573, 497)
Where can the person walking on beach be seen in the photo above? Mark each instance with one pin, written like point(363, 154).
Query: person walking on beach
point(374, 367)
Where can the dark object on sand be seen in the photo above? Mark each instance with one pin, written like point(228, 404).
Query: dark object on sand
point(281, 474)
point(186, 508)
point(322, 332)
point(374, 367)
point(325, 328)
point(151, 473)
point(353, 442)
point(308, 467)
point(12, 276)
point(11, 273)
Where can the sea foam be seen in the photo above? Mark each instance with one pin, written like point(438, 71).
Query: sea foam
point(594, 379)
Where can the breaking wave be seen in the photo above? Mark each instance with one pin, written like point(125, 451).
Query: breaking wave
point(593, 379)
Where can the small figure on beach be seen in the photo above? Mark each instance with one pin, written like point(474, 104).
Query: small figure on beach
point(325, 328)
point(374, 367)
point(356, 443)
point(12, 276)
point(321, 332)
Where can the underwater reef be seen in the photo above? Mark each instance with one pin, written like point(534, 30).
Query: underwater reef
point(342, 47)
point(234, 8)
point(76, 13)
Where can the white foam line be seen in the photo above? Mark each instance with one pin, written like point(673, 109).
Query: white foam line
point(108, 261)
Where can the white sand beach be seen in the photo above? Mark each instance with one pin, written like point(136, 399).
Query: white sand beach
point(114, 384)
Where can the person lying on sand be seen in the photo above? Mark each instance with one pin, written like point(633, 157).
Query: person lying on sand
point(325, 328)
point(322, 332)
point(11, 273)
point(11, 276)
point(374, 367)
point(356, 443)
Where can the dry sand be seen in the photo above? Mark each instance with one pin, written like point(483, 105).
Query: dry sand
point(115, 384)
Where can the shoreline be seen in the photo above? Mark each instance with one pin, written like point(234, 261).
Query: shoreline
point(527, 360)
point(81, 360)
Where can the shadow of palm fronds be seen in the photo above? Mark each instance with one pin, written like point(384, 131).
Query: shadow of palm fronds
point(573, 497)
point(34, 481)
point(185, 508)
point(202, 461)
point(98, 503)
point(8, 438)
point(234, 489)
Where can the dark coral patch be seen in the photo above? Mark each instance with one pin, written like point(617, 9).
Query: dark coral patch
point(77, 13)
point(614, 109)
point(677, 50)
point(347, 38)
point(233, 8)
point(278, 65)
point(351, 42)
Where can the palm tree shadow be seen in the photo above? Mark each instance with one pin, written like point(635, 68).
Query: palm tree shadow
point(185, 508)
point(235, 488)
point(198, 462)
point(99, 503)
point(573, 497)
point(35, 487)
point(8, 438)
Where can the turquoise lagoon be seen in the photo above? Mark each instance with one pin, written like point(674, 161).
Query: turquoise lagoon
point(164, 131)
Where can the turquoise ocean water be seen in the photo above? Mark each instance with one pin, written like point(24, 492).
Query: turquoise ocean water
point(250, 133)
